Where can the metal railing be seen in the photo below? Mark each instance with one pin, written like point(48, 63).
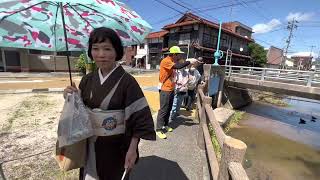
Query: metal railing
point(306, 78)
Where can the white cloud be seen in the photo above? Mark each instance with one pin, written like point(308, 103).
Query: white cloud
point(299, 16)
point(264, 28)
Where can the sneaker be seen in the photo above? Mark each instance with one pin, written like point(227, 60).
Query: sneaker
point(161, 135)
point(168, 129)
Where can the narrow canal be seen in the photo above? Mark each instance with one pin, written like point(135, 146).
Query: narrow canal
point(283, 143)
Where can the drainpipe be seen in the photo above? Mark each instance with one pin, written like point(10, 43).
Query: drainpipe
point(218, 54)
point(188, 50)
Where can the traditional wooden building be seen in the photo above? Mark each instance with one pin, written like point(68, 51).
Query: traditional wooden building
point(198, 37)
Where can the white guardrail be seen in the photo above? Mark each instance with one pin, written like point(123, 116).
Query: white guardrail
point(307, 78)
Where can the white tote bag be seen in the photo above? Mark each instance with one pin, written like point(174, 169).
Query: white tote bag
point(74, 124)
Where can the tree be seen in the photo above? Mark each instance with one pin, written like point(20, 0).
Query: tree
point(258, 54)
point(83, 65)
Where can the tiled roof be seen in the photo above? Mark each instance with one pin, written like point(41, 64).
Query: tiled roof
point(156, 34)
point(199, 20)
point(180, 24)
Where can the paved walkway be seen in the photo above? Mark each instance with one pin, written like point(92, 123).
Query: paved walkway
point(179, 157)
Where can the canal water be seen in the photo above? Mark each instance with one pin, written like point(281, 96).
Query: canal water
point(283, 143)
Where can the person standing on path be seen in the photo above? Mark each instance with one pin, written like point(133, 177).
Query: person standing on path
point(166, 88)
point(113, 150)
point(194, 77)
point(181, 88)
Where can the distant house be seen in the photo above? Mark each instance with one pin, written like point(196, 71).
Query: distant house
point(289, 63)
point(316, 64)
point(302, 62)
point(156, 42)
point(141, 56)
point(129, 53)
point(198, 37)
point(274, 57)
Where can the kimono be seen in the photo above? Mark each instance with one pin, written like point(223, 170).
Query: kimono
point(109, 152)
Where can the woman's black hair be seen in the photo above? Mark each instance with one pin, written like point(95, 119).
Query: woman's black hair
point(100, 35)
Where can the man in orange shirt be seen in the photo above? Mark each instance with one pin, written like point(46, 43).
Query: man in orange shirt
point(166, 87)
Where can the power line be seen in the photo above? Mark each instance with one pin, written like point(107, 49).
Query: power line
point(311, 26)
point(223, 6)
point(226, 4)
point(192, 9)
point(200, 10)
point(263, 9)
point(169, 6)
point(245, 5)
point(264, 42)
point(166, 19)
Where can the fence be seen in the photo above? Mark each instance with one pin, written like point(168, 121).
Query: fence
point(233, 150)
point(307, 78)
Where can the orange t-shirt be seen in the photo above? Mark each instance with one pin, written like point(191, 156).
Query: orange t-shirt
point(166, 70)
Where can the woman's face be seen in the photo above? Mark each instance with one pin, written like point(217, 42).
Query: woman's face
point(103, 54)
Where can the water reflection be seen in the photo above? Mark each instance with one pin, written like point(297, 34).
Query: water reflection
point(283, 143)
point(299, 122)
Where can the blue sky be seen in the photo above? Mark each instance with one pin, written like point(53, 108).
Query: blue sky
point(268, 18)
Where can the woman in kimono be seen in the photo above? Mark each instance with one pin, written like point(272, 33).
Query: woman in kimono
point(114, 147)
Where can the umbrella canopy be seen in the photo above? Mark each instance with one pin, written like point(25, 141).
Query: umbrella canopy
point(38, 24)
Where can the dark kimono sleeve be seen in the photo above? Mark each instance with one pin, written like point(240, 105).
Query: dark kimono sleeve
point(83, 84)
point(138, 116)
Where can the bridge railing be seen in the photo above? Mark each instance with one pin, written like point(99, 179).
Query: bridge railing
point(233, 150)
point(307, 78)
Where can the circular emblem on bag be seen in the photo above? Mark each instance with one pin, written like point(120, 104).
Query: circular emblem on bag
point(109, 123)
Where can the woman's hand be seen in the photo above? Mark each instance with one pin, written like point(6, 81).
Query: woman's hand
point(131, 156)
point(70, 89)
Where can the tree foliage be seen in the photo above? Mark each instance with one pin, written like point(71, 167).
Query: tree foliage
point(83, 66)
point(258, 54)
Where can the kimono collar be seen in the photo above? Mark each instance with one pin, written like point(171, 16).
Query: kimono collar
point(103, 79)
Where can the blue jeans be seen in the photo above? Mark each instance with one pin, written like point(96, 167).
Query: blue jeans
point(177, 101)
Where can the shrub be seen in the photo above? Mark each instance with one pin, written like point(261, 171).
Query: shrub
point(81, 64)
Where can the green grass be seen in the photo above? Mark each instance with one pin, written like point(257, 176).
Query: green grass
point(15, 115)
point(235, 119)
point(27, 108)
point(271, 99)
point(43, 168)
point(215, 143)
point(51, 170)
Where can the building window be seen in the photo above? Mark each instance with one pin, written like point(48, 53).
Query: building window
point(141, 46)
point(224, 41)
point(209, 41)
point(184, 38)
point(154, 40)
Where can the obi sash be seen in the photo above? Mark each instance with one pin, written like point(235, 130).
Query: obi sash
point(107, 122)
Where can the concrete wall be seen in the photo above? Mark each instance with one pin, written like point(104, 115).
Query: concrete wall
point(45, 63)
point(142, 50)
point(235, 98)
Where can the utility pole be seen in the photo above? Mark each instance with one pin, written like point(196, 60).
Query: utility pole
point(291, 26)
point(311, 50)
point(231, 9)
point(312, 46)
